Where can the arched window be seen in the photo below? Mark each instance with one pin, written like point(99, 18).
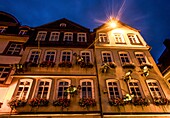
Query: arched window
point(34, 56)
point(113, 88)
point(50, 55)
point(66, 56)
point(87, 88)
point(23, 89)
point(62, 86)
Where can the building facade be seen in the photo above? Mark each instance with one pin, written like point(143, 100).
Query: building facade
point(67, 71)
point(12, 38)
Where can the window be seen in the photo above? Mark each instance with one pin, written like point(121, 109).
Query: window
point(54, 36)
point(87, 89)
point(154, 88)
point(86, 55)
point(68, 36)
point(113, 88)
point(24, 89)
point(141, 57)
point(62, 25)
point(124, 57)
point(66, 56)
point(103, 38)
point(41, 36)
point(135, 89)
point(4, 72)
point(119, 38)
point(14, 48)
point(63, 85)
point(106, 56)
point(23, 32)
point(81, 37)
point(44, 86)
point(34, 56)
point(133, 39)
point(50, 56)
point(3, 29)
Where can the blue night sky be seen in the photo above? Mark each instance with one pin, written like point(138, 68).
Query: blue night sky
point(151, 17)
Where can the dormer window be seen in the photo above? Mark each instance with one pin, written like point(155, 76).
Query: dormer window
point(119, 39)
point(41, 36)
point(2, 29)
point(133, 38)
point(68, 36)
point(103, 38)
point(62, 25)
point(81, 37)
point(54, 36)
point(23, 32)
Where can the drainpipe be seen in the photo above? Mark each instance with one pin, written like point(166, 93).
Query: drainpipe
point(99, 89)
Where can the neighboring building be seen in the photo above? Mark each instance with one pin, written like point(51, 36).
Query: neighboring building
point(126, 70)
point(164, 62)
point(12, 38)
point(68, 71)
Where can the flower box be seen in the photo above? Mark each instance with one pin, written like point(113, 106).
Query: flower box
point(140, 101)
point(14, 103)
point(63, 102)
point(128, 65)
point(86, 65)
point(30, 64)
point(47, 64)
point(117, 102)
point(161, 101)
point(146, 64)
point(38, 102)
point(65, 64)
point(112, 64)
point(87, 102)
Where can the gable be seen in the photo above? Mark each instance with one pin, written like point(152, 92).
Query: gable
point(64, 24)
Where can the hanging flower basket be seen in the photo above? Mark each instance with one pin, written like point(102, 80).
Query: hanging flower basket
point(128, 65)
point(140, 101)
point(117, 102)
point(14, 103)
point(38, 102)
point(161, 101)
point(65, 64)
point(87, 102)
point(47, 64)
point(63, 102)
point(73, 90)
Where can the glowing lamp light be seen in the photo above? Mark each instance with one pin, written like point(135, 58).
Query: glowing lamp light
point(113, 24)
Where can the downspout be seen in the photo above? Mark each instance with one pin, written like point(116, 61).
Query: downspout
point(99, 89)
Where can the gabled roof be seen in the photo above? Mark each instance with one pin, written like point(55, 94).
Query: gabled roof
point(117, 22)
point(69, 25)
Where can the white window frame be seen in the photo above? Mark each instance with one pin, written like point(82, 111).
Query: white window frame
point(49, 87)
point(30, 53)
point(22, 32)
point(106, 57)
point(155, 93)
point(85, 57)
point(141, 55)
point(2, 79)
point(135, 85)
point(113, 86)
point(133, 38)
point(68, 36)
point(92, 87)
point(124, 57)
point(54, 36)
point(81, 37)
point(63, 80)
point(41, 36)
point(13, 48)
point(50, 55)
point(119, 39)
point(20, 96)
point(103, 38)
point(61, 59)
point(3, 29)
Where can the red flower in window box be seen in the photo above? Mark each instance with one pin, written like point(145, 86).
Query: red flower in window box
point(63, 102)
point(161, 101)
point(87, 102)
point(86, 65)
point(38, 102)
point(14, 103)
point(65, 64)
point(117, 102)
point(47, 64)
point(140, 101)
